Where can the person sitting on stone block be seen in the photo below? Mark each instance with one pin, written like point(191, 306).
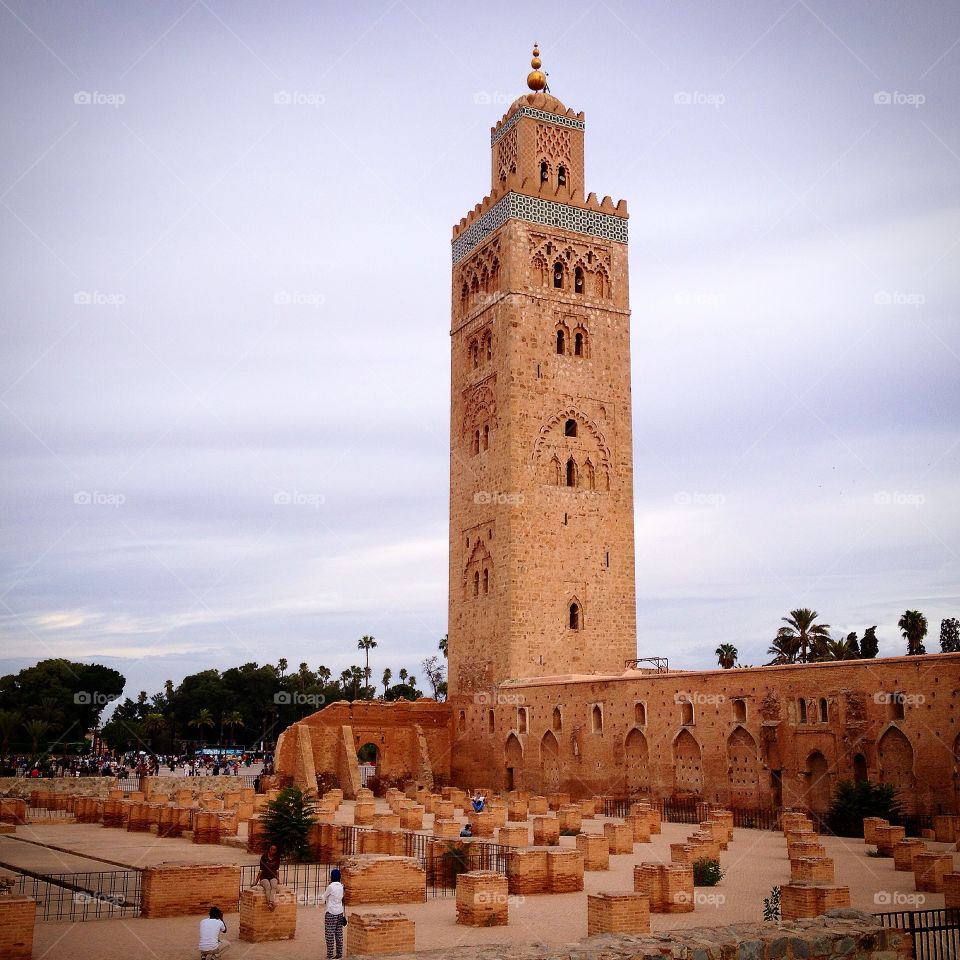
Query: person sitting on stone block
point(478, 801)
point(466, 831)
point(268, 875)
point(211, 930)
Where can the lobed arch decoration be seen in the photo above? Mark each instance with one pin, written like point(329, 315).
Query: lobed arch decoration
point(479, 277)
point(687, 764)
point(507, 155)
point(591, 454)
point(477, 578)
point(743, 770)
point(592, 262)
point(480, 409)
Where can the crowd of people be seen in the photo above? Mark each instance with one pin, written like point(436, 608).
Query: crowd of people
point(140, 765)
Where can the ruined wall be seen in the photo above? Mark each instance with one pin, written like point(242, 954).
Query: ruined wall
point(394, 728)
point(765, 736)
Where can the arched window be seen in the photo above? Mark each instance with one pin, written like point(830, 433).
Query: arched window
point(600, 282)
point(491, 721)
point(574, 616)
point(561, 342)
point(486, 581)
point(859, 768)
point(686, 713)
point(474, 354)
point(488, 346)
point(571, 472)
point(544, 171)
point(464, 296)
point(562, 175)
point(896, 706)
point(476, 583)
point(823, 710)
point(557, 719)
point(521, 719)
point(803, 710)
point(486, 436)
point(558, 275)
point(640, 714)
point(476, 441)
point(740, 711)
point(591, 475)
point(597, 719)
point(578, 344)
point(570, 428)
point(557, 471)
point(578, 280)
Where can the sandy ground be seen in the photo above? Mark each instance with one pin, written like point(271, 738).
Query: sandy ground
point(755, 862)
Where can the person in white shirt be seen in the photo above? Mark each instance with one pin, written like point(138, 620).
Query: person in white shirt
point(211, 928)
point(333, 919)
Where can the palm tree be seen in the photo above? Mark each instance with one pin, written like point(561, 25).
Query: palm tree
point(726, 655)
point(36, 731)
point(802, 625)
point(233, 720)
point(785, 647)
point(203, 719)
point(403, 674)
point(366, 644)
point(841, 649)
point(443, 645)
point(387, 677)
point(153, 723)
point(913, 626)
point(282, 665)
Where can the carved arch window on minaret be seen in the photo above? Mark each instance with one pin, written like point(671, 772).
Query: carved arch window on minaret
point(580, 343)
point(590, 475)
point(486, 436)
point(538, 268)
point(561, 343)
point(544, 171)
point(570, 428)
point(574, 615)
point(572, 472)
point(558, 275)
point(601, 283)
point(486, 346)
point(561, 176)
point(494, 275)
point(464, 297)
point(556, 471)
point(473, 352)
point(578, 279)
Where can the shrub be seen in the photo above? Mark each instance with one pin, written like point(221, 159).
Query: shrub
point(707, 873)
point(854, 801)
point(288, 820)
point(771, 906)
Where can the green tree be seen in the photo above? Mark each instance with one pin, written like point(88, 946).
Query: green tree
point(10, 722)
point(366, 644)
point(443, 646)
point(153, 723)
point(434, 670)
point(854, 801)
point(387, 677)
point(203, 721)
point(840, 649)
point(282, 666)
point(801, 626)
point(869, 645)
point(288, 820)
point(950, 635)
point(785, 647)
point(231, 721)
point(36, 731)
point(913, 626)
point(726, 655)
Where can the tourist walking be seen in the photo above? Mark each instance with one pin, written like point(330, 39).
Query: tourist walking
point(334, 919)
point(212, 929)
point(268, 875)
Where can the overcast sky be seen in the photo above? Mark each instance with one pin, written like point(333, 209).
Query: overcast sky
point(225, 241)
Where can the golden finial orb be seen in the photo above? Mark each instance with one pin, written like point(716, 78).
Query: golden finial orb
point(536, 79)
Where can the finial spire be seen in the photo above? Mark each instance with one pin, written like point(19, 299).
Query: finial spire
point(536, 79)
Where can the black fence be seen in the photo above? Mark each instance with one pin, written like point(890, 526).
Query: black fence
point(307, 880)
point(936, 933)
point(88, 895)
point(458, 857)
point(694, 811)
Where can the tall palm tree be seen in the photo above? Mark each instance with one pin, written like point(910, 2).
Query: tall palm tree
point(913, 626)
point(803, 626)
point(233, 720)
point(36, 731)
point(845, 649)
point(282, 665)
point(203, 720)
point(387, 677)
point(726, 655)
point(785, 647)
point(152, 724)
point(366, 644)
point(443, 645)
point(403, 674)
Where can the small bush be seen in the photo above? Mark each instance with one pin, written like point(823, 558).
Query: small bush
point(854, 801)
point(288, 820)
point(707, 873)
point(771, 906)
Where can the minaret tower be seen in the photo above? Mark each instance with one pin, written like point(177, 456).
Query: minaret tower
point(541, 468)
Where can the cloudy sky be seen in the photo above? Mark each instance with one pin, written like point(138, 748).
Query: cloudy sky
point(225, 298)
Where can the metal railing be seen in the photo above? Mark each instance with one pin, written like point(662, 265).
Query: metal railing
point(85, 895)
point(935, 933)
point(307, 880)
point(42, 813)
